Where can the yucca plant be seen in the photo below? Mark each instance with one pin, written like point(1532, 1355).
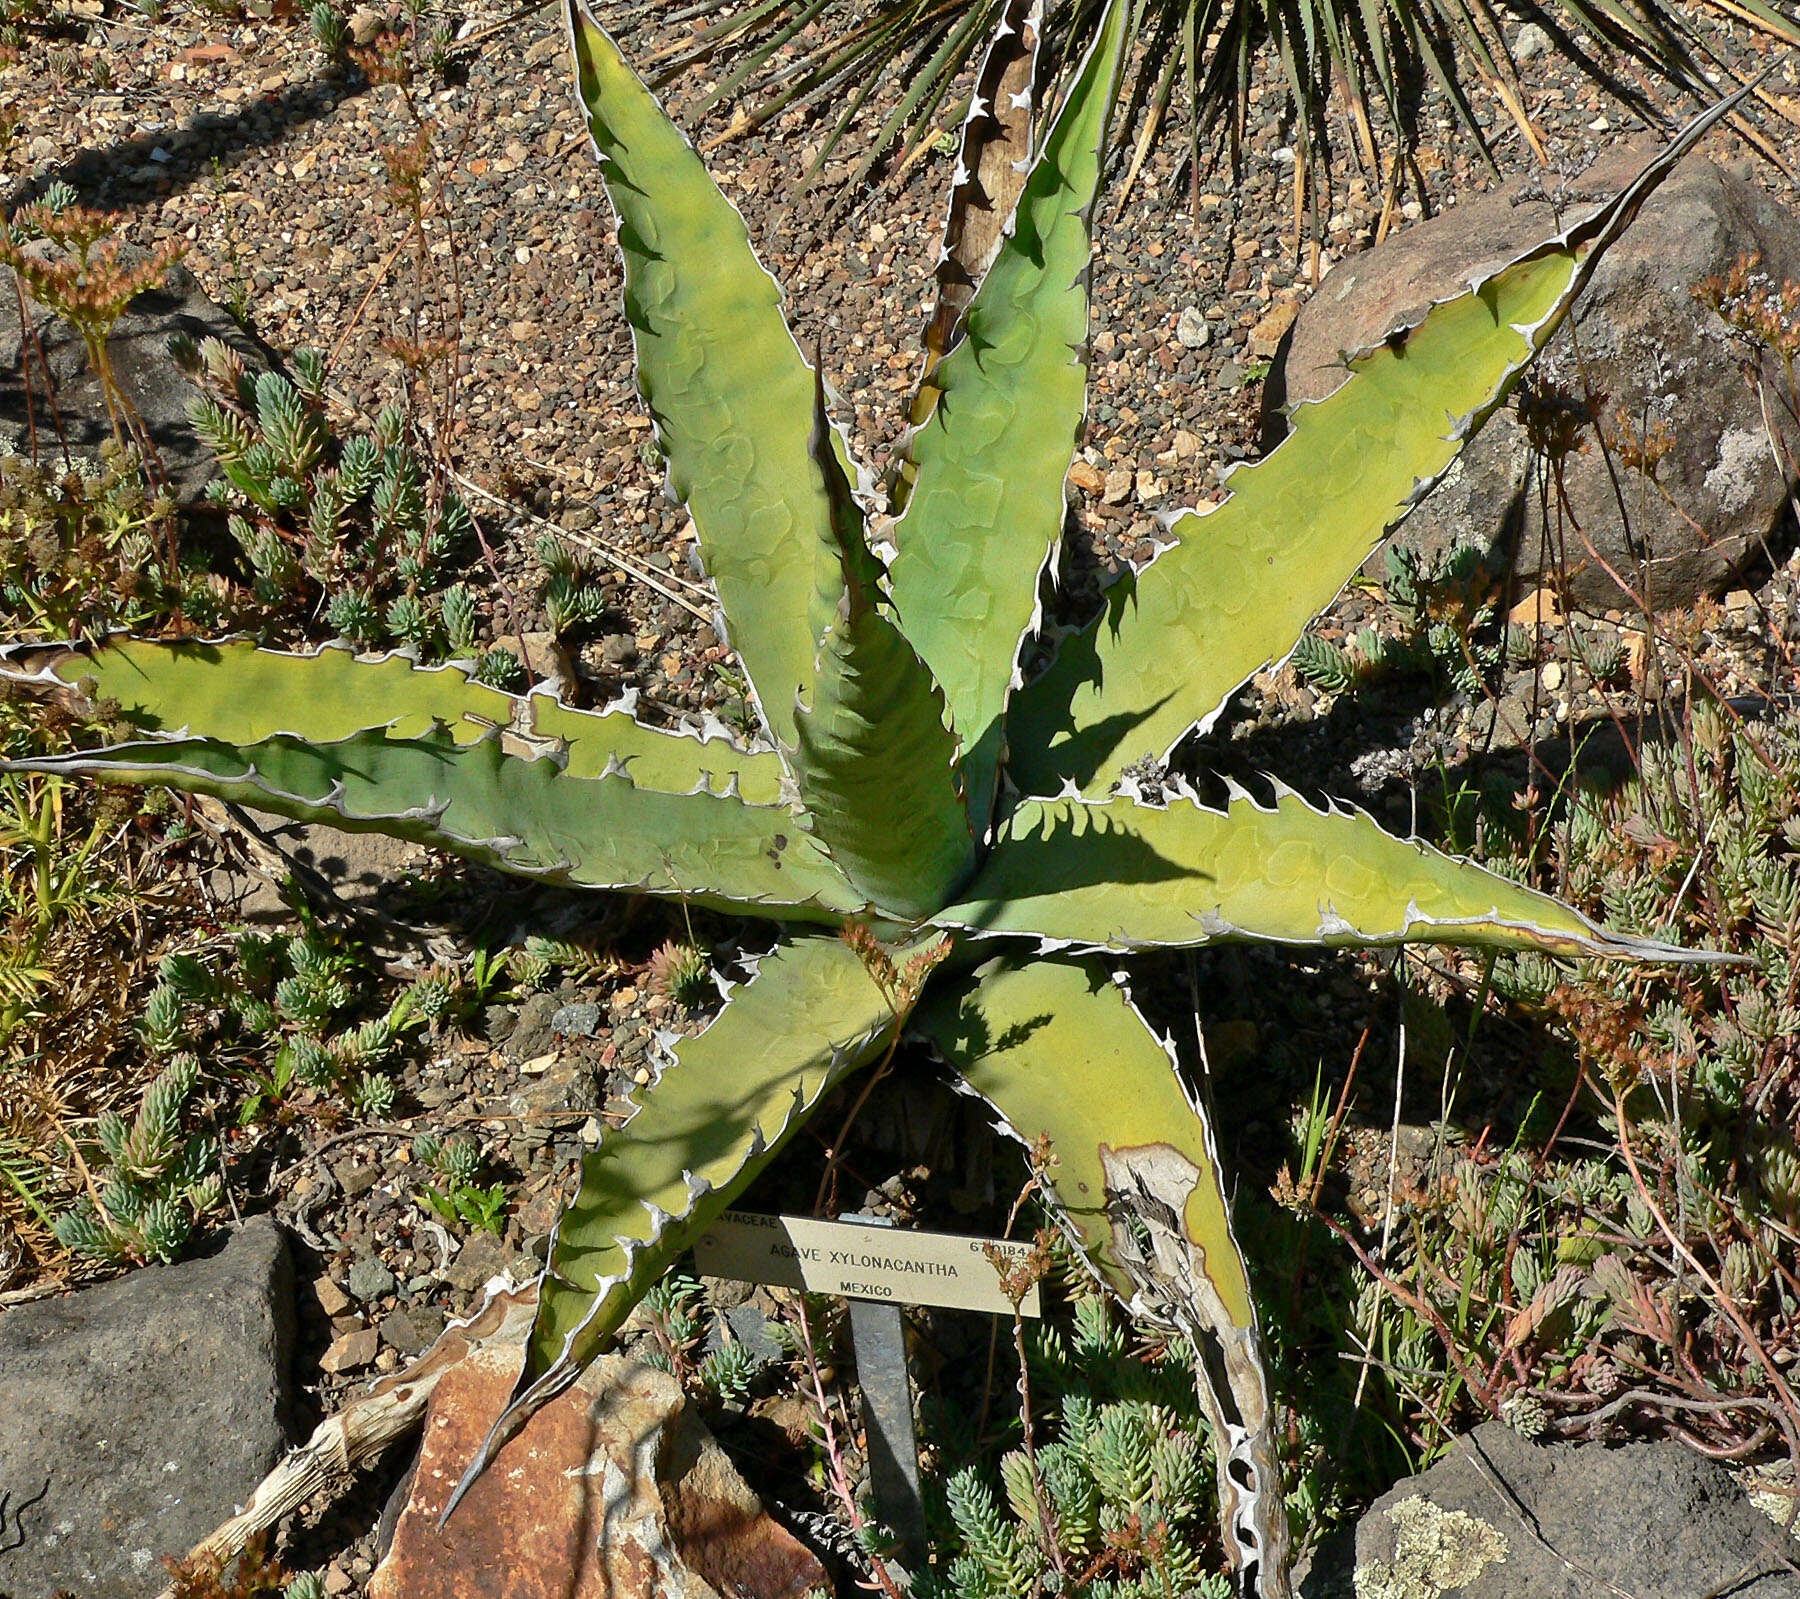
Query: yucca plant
point(780, 55)
point(975, 839)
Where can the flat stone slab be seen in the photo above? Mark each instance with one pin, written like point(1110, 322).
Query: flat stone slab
point(136, 1416)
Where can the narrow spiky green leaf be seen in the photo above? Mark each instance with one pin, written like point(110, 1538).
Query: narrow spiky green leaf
point(232, 691)
point(713, 1119)
point(876, 768)
point(727, 387)
point(1058, 1051)
point(510, 810)
point(1242, 580)
point(986, 507)
point(1120, 875)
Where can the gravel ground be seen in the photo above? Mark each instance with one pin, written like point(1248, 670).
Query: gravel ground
point(229, 134)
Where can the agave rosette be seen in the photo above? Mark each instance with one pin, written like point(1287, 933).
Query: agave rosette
point(909, 781)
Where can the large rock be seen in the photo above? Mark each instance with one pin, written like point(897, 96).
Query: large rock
point(1500, 1518)
point(136, 1416)
point(613, 1490)
point(1642, 341)
point(139, 351)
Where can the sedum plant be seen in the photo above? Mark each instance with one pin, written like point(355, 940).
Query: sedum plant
point(358, 528)
point(975, 839)
point(1109, 1501)
point(160, 1181)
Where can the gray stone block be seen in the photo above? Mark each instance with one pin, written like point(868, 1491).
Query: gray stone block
point(1500, 1518)
point(139, 351)
point(136, 1416)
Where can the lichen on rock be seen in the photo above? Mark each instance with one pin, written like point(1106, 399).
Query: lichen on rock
point(1435, 1552)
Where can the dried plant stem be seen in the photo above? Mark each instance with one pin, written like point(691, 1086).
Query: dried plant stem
point(1477, 1387)
point(1726, 1304)
point(834, 1455)
point(625, 563)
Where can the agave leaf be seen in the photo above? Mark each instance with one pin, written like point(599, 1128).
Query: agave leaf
point(986, 507)
point(1121, 875)
point(727, 387)
point(719, 1112)
point(237, 693)
point(1060, 1053)
point(234, 691)
point(595, 743)
point(843, 563)
point(993, 155)
point(1243, 579)
point(874, 763)
point(508, 810)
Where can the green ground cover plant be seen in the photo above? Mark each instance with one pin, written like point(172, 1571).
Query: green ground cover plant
point(1622, 1252)
point(1108, 1495)
point(948, 850)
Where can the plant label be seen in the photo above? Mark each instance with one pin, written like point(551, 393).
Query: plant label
point(856, 1260)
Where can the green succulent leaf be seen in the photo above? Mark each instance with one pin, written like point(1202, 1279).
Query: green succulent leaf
point(986, 508)
point(844, 567)
point(874, 763)
point(719, 1112)
point(728, 389)
point(1056, 1049)
point(1241, 581)
point(1120, 875)
point(236, 693)
point(512, 811)
point(1059, 1052)
point(877, 770)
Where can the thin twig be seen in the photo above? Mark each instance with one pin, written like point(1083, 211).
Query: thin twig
point(1387, 1215)
point(624, 563)
point(1727, 1305)
point(837, 1472)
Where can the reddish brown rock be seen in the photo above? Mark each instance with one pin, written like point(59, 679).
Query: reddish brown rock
point(1266, 336)
point(351, 1352)
point(612, 1491)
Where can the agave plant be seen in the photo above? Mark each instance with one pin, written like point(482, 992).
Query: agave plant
point(942, 847)
point(785, 54)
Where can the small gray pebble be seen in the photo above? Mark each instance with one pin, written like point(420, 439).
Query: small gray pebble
point(1530, 41)
point(576, 1021)
point(357, 1180)
point(369, 1279)
point(1192, 330)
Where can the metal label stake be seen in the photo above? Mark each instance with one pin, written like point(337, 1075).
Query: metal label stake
point(878, 1338)
point(877, 1275)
